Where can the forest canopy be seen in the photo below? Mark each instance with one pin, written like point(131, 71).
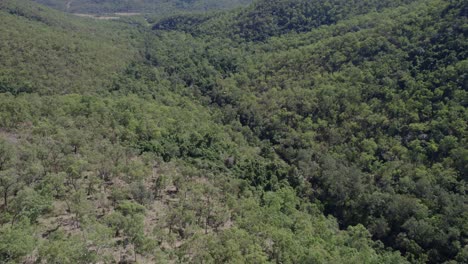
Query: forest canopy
point(159, 7)
point(285, 131)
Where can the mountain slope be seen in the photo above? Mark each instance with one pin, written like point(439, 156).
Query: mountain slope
point(370, 114)
point(48, 52)
point(125, 161)
point(264, 19)
point(285, 132)
point(141, 6)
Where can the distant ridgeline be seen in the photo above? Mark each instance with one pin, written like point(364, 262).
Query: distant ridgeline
point(140, 6)
point(264, 19)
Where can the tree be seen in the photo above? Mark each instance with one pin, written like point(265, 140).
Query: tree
point(129, 218)
point(8, 180)
point(66, 249)
point(8, 176)
point(30, 204)
point(16, 241)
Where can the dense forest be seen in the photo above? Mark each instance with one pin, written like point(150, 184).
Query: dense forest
point(285, 131)
point(159, 7)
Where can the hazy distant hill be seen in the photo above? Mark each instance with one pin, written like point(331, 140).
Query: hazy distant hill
point(144, 6)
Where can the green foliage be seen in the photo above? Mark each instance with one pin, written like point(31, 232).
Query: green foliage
point(285, 132)
point(30, 204)
point(128, 208)
point(357, 109)
point(264, 19)
point(46, 51)
point(16, 241)
point(230, 246)
point(60, 248)
point(286, 230)
point(159, 7)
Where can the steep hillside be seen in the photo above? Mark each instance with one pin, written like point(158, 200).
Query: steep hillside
point(50, 52)
point(370, 113)
point(284, 132)
point(123, 161)
point(264, 19)
point(141, 6)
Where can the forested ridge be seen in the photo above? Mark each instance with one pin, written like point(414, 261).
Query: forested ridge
point(159, 7)
point(287, 131)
